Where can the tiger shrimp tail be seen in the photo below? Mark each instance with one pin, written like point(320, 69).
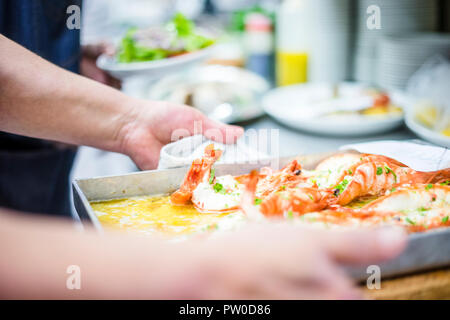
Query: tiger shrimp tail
point(435, 176)
point(441, 176)
point(195, 175)
point(184, 194)
point(292, 167)
point(180, 197)
point(213, 154)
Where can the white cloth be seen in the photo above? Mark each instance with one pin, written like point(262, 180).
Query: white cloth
point(418, 156)
point(183, 152)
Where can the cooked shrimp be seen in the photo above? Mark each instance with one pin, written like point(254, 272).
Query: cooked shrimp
point(406, 197)
point(199, 171)
point(331, 171)
point(295, 201)
point(418, 207)
point(273, 181)
point(375, 175)
point(347, 217)
point(218, 195)
point(247, 205)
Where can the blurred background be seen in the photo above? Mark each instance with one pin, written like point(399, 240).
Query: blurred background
point(323, 72)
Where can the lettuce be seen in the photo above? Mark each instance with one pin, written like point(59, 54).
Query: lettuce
point(183, 25)
point(130, 51)
point(195, 42)
point(126, 53)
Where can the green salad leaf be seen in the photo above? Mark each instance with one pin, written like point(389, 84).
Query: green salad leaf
point(195, 42)
point(183, 25)
point(131, 51)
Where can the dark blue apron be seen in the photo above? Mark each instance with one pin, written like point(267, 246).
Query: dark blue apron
point(34, 174)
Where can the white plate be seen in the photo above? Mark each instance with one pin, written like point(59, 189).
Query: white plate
point(285, 104)
point(425, 133)
point(153, 69)
point(162, 89)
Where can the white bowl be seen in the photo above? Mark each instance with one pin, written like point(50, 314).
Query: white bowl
point(424, 132)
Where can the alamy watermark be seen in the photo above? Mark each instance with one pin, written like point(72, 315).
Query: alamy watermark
point(374, 280)
point(254, 147)
point(374, 20)
point(74, 19)
point(73, 281)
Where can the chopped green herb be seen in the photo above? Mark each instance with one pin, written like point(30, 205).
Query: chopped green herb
point(218, 187)
point(311, 197)
point(445, 219)
point(445, 183)
point(212, 175)
point(379, 171)
point(290, 214)
point(389, 170)
point(258, 201)
point(393, 189)
point(422, 209)
point(350, 172)
point(409, 221)
point(429, 186)
point(341, 187)
point(283, 187)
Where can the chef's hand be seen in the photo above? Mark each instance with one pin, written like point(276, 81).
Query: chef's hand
point(286, 262)
point(88, 66)
point(155, 124)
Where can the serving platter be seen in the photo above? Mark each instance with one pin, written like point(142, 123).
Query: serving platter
point(425, 251)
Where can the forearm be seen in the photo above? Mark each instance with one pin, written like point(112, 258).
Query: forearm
point(39, 99)
point(37, 252)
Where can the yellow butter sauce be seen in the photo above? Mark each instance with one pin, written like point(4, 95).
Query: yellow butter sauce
point(150, 215)
point(361, 202)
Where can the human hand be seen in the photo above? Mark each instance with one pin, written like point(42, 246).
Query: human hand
point(88, 66)
point(282, 262)
point(155, 124)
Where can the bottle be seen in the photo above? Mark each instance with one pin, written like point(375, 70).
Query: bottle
point(259, 44)
point(291, 45)
point(313, 41)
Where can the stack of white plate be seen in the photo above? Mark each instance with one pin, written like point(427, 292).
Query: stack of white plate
point(401, 55)
point(396, 16)
point(329, 29)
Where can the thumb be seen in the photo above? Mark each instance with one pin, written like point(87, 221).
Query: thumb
point(365, 246)
point(220, 132)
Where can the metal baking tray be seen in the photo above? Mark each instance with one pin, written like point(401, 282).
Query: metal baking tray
point(425, 251)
